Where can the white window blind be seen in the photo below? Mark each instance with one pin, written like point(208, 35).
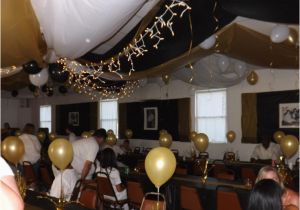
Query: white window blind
point(211, 115)
point(45, 117)
point(108, 111)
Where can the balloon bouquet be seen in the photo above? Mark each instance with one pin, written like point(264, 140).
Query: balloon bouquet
point(12, 149)
point(60, 153)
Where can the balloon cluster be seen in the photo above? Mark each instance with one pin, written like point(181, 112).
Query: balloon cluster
point(200, 140)
point(165, 139)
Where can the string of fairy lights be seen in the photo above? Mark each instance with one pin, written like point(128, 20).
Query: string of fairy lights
point(86, 78)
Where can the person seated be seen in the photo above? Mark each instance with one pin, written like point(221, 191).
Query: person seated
point(266, 151)
point(10, 197)
point(289, 197)
point(126, 146)
point(265, 195)
point(32, 147)
point(68, 180)
point(108, 165)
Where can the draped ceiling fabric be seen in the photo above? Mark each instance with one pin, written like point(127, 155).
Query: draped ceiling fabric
point(74, 27)
point(21, 39)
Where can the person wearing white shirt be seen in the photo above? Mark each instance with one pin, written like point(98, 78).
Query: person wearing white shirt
point(85, 152)
point(266, 151)
point(70, 130)
point(108, 165)
point(69, 179)
point(10, 197)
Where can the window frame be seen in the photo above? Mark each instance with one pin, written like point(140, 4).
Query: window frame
point(40, 121)
point(224, 140)
point(110, 119)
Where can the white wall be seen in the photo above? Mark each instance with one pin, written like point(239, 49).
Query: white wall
point(274, 80)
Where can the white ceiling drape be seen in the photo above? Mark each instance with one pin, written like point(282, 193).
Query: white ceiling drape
point(73, 27)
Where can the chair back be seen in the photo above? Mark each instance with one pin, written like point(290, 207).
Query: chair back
point(180, 171)
point(137, 150)
point(28, 173)
point(104, 185)
point(135, 194)
point(227, 198)
point(189, 198)
point(76, 190)
point(148, 204)
point(88, 195)
point(46, 177)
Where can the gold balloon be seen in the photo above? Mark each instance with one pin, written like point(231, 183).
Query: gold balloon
point(193, 135)
point(201, 142)
point(293, 36)
point(109, 132)
point(12, 149)
point(166, 78)
point(289, 145)
point(85, 134)
point(163, 131)
point(252, 78)
point(128, 133)
point(52, 136)
point(41, 136)
point(278, 135)
point(92, 132)
point(165, 140)
point(111, 139)
point(60, 152)
point(18, 133)
point(160, 164)
point(230, 136)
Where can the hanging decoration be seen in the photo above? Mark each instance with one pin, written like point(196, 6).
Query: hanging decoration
point(280, 33)
point(87, 77)
point(252, 78)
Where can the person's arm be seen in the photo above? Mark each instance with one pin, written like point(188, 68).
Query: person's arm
point(10, 197)
point(86, 168)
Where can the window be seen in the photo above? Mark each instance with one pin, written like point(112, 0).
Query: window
point(108, 111)
point(45, 117)
point(211, 114)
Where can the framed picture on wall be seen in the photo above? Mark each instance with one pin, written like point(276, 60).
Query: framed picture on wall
point(73, 118)
point(289, 115)
point(150, 118)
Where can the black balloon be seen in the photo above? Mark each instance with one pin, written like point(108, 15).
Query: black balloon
point(32, 87)
point(14, 93)
point(49, 92)
point(57, 73)
point(31, 67)
point(62, 89)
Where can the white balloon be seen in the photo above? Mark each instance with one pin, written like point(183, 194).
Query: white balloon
point(40, 78)
point(223, 63)
point(280, 33)
point(208, 43)
point(240, 68)
point(143, 82)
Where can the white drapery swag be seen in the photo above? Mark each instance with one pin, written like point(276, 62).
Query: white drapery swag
point(73, 27)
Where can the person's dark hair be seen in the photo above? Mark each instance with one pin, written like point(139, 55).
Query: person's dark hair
point(108, 159)
point(265, 195)
point(28, 128)
point(100, 133)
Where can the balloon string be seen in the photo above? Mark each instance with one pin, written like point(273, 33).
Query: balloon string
point(61, 186)
point(157, 198)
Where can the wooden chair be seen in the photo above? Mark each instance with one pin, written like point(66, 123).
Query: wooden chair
point(28, 172)
point(148, 204)
point(135, 194)
point(104, 189)
point(189, 198)
point(227, 198)
point(137, 150)
point(180, 171)
point(88, 195)
point(46, 177)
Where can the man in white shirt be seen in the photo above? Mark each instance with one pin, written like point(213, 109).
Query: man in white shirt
point(266, 151)
point(32, 147)
point(69, 179)
point(85, 152)
point(70, 132)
